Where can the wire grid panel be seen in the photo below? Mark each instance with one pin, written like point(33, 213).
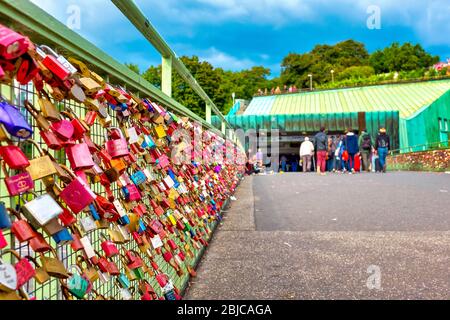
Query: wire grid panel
point(51, 290)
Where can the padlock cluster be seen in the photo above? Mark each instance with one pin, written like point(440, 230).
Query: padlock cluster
point(129, 189)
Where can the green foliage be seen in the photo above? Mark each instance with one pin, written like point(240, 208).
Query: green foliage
point(406, 57)
point(134, 67)
point(356, 72)
point(217, 83)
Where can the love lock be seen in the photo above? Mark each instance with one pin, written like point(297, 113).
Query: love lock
point(8, 277)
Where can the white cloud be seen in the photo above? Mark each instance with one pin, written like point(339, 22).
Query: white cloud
point(225, 61)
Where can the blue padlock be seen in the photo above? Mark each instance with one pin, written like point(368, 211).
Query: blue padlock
point(174, 178)
point(138, 178)
point(142, 227)
point(125, 192)
point(170, 295)
point(94, 212)
point(123, 221)
point(63, 237)
point(5, 220)
point(123, 281)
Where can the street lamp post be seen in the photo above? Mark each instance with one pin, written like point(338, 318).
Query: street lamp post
point(234, 97)
point(310, 81)
point(332, 76)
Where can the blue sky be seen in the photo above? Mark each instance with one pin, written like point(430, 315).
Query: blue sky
point(239, 34)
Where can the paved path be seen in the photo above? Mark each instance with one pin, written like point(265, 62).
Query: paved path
point(295, 236)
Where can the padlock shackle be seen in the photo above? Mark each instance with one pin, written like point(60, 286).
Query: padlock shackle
point(12, 252)
point(48, 50)
point(34, 143)
point(34, 260)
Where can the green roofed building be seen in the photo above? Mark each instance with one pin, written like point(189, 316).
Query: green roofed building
point(416, 115)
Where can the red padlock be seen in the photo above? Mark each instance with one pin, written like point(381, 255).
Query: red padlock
point(39, 244)
point(3, 242)
point(20, 228)
point(52, 63)
point(51, 140)
point(19, 183)
point(77, 194)
point(172, 244)
point(109, 247)
point(64, 129)
point(80, 156)
point(67, 218)
point(14, 157)
point(90, 118)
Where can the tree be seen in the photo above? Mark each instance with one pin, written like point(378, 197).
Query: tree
point(404, 57)
point(133, 67)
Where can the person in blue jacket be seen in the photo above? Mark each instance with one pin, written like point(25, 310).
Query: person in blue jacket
point(352, 147)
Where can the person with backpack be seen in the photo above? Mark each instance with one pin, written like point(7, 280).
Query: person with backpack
point(365, 147)
point(382, 145)
point(321, 145)
point(351, 145)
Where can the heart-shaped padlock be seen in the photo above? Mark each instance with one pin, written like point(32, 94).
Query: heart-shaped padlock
point(8, 277)
point(63, 128)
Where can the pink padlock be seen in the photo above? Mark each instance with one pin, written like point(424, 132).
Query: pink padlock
point(3, 242)
point(12, 44)
point(116, 148)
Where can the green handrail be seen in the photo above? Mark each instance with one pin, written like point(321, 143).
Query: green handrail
point(28, 18)
point(138, 19)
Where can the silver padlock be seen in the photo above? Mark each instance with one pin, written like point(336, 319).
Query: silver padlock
point(41, 210)
point(88, 224)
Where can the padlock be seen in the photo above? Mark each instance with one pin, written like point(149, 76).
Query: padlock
point(14, 121)
point(27, 70)
point(24, 270)
point(88, 224)
point(20, 228)
point(42, 166)
point(76, 284)
point(90, 86)
point(5, 220)
point(87, 247)
point(19, 183)
point(41, 276)
point(109, 247)
point(67, 218)
point(79, 156)
point(48, 109)
point(8, 277)
point(41, 210)
point(3, 242)
point(38, 243)
point(79, 127)
point(52, 227)
point(63, 237)
point(12, 44)
point(77, 194)
point(90, 117)
point(88, 271)
point(51, 62)
point(117, 147)
point(63, 129)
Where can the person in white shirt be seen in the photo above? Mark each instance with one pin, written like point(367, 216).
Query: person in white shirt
point(306, 154)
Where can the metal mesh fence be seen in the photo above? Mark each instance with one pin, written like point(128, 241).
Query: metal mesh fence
point(51, 290)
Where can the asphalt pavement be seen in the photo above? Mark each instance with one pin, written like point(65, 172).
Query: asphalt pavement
point(303, 236)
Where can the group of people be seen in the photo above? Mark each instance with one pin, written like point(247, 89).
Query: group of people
point(277, 90)
point(345, 153)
